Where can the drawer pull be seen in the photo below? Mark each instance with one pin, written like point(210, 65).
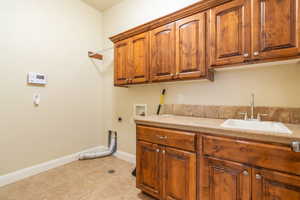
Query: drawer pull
point(296, 146)
point(256, 53)
point(162, 137)
point(245, 173)
point(258, 176)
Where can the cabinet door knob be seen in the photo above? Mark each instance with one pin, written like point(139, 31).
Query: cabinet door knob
point(296, 146)
point(163, 151)
point(258, 176)
point(246, 55)
point(157, 150)
point(245, 173)
point(256, 53)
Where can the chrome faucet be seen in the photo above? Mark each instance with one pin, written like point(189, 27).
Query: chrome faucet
point(252, 106)
point(252, 118)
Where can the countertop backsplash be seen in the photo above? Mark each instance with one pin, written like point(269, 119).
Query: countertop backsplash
point(278, 114)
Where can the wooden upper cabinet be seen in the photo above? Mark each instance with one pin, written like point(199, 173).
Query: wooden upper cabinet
point(122, 65)
point(190, 47)
point(276, 28)
point(225, 180)
point(179, 175)
point(162, 45)
point(149, 168)
point(140, 58)
point(270, 185)
point(230, 33)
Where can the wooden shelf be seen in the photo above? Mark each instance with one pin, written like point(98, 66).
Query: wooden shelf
point(95, 55)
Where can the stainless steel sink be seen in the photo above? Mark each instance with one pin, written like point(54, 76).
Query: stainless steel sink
point(255, 125)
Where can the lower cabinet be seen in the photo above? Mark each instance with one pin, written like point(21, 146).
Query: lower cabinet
point(224, 168)
point(271, 185)
point(179, 174)
point(166, 173)
point(224, 180)
point(148, 168)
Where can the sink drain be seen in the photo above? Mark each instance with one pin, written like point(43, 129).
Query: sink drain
point(111, 171)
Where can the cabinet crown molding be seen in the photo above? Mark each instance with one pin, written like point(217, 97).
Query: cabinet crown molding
point(185, 12)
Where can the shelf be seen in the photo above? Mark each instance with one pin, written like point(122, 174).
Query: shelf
point(95, 55)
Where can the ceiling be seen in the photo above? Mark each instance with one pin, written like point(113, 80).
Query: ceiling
point(102, 4)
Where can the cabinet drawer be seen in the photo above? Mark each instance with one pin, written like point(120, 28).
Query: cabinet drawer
point(177, 139)
point(270, 156)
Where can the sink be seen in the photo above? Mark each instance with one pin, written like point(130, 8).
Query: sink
point(275, 127)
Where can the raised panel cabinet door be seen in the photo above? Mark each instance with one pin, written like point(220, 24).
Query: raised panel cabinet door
point(190, 47)
point(162, 53)
point(122, 56)
point(140, 58)
point(224, 180)
point(270, 185)
point(149, 168)
point(230, 33)
point(179, 175)
point(276, 28)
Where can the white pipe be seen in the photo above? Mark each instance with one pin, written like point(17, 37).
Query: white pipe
point(111, 150)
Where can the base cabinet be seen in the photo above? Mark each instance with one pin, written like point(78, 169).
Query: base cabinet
point(179, 175)
point(177, 165)
point(224, 180)
point(271, 185)
point(148, 168)
point(166, 173)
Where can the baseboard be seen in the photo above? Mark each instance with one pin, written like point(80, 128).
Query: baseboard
point(30, 171)
point(126, 156)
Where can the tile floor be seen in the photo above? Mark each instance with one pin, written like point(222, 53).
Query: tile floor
point(80, 180)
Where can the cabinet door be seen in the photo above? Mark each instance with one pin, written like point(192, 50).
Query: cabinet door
point(270, 185)
point(122, 70)
point(229, 33)
point(163, 53)
point(149, 168)
point(190, 47)
point(179, 175)
point(224, 180)
point(140, 58)
point(276, 28)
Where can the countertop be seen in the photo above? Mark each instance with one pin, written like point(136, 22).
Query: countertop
point(213, 126)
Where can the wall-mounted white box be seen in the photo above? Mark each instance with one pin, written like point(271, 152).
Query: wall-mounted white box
point(36, 78)
point(140, 110)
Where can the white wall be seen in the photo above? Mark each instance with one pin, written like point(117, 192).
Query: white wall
point(273, 85)
point(52, 37)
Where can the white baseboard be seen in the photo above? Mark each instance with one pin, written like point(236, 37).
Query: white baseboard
point(126, 156)
point(30, 171)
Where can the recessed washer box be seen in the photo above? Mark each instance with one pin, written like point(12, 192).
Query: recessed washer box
point(140, 110)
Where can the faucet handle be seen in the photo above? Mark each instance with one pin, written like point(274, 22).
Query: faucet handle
point(261, 115)
point(245, 115)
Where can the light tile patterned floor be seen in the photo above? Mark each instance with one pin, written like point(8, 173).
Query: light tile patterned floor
point(80, 180)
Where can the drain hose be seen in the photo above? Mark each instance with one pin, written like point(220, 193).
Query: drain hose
point(112, 143)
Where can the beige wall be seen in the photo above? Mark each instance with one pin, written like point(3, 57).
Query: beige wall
point(52, 37)
point(80, 102)
point(276, 85)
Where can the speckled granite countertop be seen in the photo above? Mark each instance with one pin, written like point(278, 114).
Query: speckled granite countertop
point(213, 126)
